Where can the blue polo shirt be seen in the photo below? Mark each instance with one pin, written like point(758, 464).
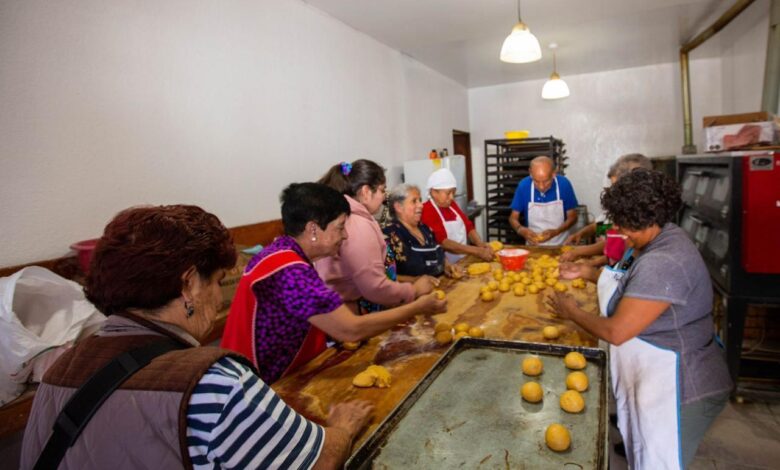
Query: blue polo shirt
point(523, 191)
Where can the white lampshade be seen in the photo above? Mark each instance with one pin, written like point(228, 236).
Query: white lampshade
point(520, 46)
point(555, 88)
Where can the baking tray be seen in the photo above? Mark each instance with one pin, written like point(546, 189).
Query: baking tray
point(467, 412)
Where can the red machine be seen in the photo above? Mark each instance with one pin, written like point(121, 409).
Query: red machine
point(761, 213)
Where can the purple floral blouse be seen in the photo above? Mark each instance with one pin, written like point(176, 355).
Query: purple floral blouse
point(285, 301)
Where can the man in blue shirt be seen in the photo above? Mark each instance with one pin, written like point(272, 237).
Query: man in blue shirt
point(547, 202)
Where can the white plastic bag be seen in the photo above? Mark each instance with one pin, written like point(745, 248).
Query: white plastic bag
point(39, 312)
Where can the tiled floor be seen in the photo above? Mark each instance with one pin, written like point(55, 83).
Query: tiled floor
point(745, 436)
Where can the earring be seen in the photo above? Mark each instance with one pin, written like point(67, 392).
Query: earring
point(189, 309)
point(313, 236)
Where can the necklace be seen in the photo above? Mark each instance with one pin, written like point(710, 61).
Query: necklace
point(415, 232)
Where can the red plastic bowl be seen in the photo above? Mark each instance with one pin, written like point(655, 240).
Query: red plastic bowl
point(513, 259)
point(84, 250)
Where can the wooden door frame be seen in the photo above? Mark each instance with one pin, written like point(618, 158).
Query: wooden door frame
point(461, 145)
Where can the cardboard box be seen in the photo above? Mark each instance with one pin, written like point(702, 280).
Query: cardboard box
point(739, 136)
point(229, 284)
point(727, 119)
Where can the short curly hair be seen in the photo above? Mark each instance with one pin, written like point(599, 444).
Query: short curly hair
point(642, 198)
point(139, 260)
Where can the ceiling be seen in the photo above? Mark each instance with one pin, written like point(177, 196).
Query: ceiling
point(462, 38)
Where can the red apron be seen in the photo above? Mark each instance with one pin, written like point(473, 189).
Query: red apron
point(239, 334)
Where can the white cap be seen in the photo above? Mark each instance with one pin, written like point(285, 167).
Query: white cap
point(442, 179)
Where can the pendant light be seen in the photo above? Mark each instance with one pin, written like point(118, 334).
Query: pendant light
point(555, 88)
point(520, 46)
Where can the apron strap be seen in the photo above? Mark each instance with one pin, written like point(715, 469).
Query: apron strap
point(239, 333)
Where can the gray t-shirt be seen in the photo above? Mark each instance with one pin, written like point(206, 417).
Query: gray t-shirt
point(670, 269)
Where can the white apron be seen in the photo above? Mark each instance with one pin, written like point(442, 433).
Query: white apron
point(543, 216)
point(645, 381)
point(456, 231)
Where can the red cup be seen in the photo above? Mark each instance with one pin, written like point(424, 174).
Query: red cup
point(84, 250)
point(513, 259)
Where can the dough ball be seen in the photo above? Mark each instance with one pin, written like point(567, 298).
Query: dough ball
point(550, 281)
point(493, 285)
point(550, 332)
point(560, 287)
point(526, 281)
point(538, 277)
point(461, 327)
point(504, 286)
point(532, 366)
point(498, 274)
point(459, 335)
point(577, 381)
point(557, 437)
point(531, 392)
point(442, 326)
point(540, 285)
point(487, 296)
point(519, 290)
point(572, 401)
point(382, 375)
point(440, 294)
point(364, 379)
point(575, 360)
point(350, 345)
point(533, 289)
point(476, 332)
point(443, 337)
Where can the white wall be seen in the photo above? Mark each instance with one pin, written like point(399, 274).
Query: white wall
point(607, 115)
point(743, 46)
point(107, 104)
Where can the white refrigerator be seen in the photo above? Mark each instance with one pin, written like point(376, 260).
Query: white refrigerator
point(416, 172)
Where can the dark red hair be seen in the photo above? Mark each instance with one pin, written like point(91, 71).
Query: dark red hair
point(144, 251)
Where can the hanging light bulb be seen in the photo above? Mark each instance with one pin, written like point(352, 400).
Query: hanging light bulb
point(520, 46)
point(555, 88)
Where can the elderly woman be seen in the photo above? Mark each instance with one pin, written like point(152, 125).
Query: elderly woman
point(669, 375)
point(452, 229)
point(610, 245)
point(413, 243)
point(364, 272)
point(283, 310)
point(156, 273)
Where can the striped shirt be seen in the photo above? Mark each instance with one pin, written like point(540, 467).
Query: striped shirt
point(235, 420)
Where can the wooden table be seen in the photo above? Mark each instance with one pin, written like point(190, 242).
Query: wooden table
point(409, 351)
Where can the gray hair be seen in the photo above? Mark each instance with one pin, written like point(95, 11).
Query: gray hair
point(540, 160)
point(398, 195)
point(628, 162)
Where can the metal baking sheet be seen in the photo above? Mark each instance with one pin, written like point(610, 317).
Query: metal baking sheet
point(467, 412)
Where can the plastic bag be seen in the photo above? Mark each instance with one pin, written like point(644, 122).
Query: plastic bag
point(40, 312)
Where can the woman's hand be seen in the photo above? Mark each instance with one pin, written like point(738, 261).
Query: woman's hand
point(350, 416)
point(562, 304)
point(574, 270)
point(453, 271)
point(569, 256)
point(484, 253)
point(573, 239)
point(424, 285)
point(430, 304)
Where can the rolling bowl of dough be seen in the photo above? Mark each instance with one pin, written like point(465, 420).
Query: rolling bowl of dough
point(489, 403)
point(513, 259)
